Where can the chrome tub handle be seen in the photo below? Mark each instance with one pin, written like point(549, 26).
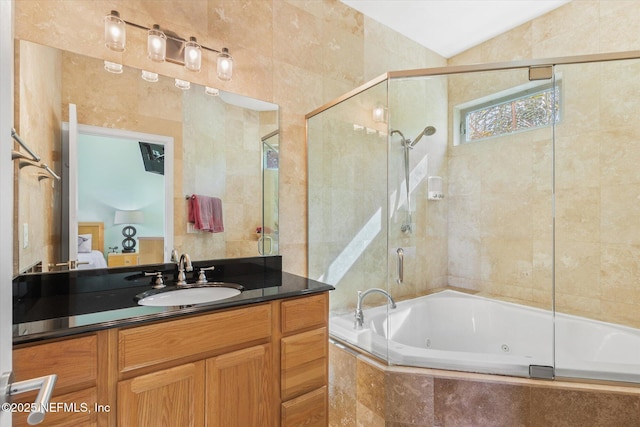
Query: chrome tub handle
point(400, 278)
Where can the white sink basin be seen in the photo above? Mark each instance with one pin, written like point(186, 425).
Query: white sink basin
point(190, 295)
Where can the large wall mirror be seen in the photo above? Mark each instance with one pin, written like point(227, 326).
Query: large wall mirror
point(131, 153)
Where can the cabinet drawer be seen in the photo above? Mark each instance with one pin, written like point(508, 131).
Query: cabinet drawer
point(74, 361)
point(162, 342)
point(308, 410)
point(303, 362)
point(120, 260)
point(303, 313)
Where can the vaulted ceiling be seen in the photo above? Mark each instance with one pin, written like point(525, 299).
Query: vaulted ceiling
point(449, 27)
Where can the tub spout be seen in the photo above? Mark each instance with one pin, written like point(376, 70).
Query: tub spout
point(359, 315)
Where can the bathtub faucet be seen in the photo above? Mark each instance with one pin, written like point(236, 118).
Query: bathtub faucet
point(361, 295)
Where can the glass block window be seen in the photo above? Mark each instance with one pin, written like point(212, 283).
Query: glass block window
point(521, 111)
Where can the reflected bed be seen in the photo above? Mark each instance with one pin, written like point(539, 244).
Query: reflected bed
point(91, 245)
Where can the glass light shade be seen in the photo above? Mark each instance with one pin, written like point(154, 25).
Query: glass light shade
point(149, 76)
point(212, 91)
point(156, 44)
point(192, 55)
point(113, 67)
point(225, 65)
point(183, 84)
point(380, 114)
point(115, 34)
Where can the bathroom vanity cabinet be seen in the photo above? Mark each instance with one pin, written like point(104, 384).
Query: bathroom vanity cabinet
point(263, 364)
point(304, 361)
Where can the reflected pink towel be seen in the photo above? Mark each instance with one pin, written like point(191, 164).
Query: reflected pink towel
point(206, 213)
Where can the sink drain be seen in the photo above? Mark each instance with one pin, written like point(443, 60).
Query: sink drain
point(505, 348)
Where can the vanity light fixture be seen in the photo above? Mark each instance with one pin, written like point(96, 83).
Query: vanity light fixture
point(149, 76)
point(164, 45)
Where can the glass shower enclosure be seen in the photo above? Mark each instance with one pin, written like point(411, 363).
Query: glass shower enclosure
point(269, 231)
point(496, 205)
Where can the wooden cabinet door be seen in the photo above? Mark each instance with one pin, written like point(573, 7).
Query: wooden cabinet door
point(171, 397)
point(240, 389)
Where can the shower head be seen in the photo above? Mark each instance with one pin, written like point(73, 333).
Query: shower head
point(428, 131)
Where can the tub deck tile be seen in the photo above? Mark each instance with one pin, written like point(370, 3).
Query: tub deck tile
point(409, 399)
point(470, 403)
point(370, 388)
point(569, 408)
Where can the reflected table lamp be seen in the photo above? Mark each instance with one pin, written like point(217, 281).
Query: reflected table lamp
point(128, 217)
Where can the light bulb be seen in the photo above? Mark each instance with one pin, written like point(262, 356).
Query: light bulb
point(380, 114)
point(115, 34)
point(192, 55)
point(156, 44)
point(225, 65)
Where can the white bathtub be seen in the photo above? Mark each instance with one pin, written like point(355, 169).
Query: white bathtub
point(458, 331)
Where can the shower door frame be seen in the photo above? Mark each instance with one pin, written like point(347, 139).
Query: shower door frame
point(532, 65)
point(459, 69)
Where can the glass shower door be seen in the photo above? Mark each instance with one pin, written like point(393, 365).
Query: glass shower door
point(471, 209)
point(597, 222)
point(347, 211)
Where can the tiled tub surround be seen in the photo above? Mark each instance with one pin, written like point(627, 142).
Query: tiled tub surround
point(365, 393)
point(460, 331)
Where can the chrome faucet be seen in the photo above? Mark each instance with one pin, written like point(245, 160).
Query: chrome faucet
point(359, 314)
point(184, 264)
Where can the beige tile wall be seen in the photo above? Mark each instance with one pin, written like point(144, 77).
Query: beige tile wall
point(38, 117)
point(298, 54)
point(499, 224)
point(302, 54)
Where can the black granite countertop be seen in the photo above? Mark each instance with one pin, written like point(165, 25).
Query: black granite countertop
point(53, 305)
